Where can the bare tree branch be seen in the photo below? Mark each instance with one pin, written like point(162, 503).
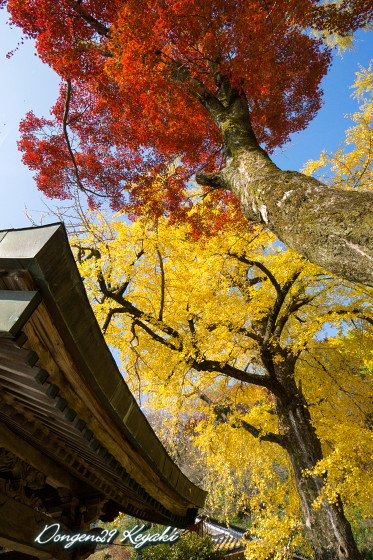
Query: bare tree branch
point(157, 337)
point(293, 307)
point(93, 22)
point(236, 373)
point(233, 329)
point(68, 144)
point(120, 290)
point(222, 413)
point(260, 266)
point(161, 307)
point(273, 314)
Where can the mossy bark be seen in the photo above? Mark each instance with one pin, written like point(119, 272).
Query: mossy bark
point(328, 529)
point(331, 227)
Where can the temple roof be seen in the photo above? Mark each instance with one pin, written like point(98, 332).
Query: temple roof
point(63, 400)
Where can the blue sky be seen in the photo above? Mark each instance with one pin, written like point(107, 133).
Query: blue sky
point(28, 84)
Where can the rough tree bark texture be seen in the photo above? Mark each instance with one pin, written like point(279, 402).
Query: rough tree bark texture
point(329, 226)
point(328, 530)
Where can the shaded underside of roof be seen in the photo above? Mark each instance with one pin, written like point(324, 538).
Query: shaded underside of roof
point(61, 392)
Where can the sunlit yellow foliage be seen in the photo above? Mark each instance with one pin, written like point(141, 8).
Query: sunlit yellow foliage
point(248, 474)
point(198, 301)
point(198, 325)
point(351, 166)
point(346, 397)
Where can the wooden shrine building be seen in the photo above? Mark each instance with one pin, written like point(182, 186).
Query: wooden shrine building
point(74, 445)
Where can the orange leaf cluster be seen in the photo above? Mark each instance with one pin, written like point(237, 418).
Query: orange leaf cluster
point(137, 72)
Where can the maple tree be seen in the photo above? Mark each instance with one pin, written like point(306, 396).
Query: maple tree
point(231, 323)
point(203, 85)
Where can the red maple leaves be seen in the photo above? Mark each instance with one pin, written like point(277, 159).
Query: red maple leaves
point(137, 72)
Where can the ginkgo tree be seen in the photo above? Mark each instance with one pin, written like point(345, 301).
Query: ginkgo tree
point(210, 85)
point(351, 165)
point(231, 321)
point(338, 399)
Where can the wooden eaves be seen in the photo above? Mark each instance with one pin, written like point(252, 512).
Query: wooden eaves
point(67, 416)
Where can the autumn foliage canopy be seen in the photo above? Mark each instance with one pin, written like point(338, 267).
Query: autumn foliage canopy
point(136, 76)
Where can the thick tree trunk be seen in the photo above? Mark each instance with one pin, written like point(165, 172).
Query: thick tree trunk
point(328, 530)
point(329, 226)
